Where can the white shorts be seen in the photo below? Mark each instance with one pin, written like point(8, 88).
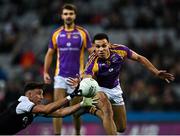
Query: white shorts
point(61, 82)
point(114, 95)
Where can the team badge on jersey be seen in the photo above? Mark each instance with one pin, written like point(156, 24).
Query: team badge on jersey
point(108, 62)
point(116, 59)
point(75, 36)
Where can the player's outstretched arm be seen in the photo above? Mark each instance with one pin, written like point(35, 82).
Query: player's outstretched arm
point(51, 107)
point(163, 74)
point(71, 109)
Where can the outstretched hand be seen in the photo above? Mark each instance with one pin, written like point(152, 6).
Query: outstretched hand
point(168, 77)
point(74, 83)
point(76, 92)
point(89, 102)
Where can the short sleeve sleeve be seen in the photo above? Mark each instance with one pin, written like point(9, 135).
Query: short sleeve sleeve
point(91, 66)
point(88, 39)
point(52, 42)
point(24, 106)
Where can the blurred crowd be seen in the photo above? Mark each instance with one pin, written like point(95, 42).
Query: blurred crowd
point(26, 26)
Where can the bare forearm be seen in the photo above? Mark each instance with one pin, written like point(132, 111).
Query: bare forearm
point(66, 111)
point(56, 105)
point(47, 62)
point(144, 61)
point(51, 107)
point(159, 73)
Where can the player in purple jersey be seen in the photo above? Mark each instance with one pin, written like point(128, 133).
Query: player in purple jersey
point(69, 42)
point(104, 65)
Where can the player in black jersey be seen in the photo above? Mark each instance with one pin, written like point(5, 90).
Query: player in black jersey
point(21, 113)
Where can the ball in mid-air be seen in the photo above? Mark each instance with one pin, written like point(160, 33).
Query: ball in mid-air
point(89, 87)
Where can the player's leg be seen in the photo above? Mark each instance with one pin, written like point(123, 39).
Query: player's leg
point(57, 122)
point(119, 111)
point(106, 113)
point(103, 111)
point(120, 117)
point(59, 92)
point(76, 119)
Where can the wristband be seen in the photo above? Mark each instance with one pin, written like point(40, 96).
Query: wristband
point(68, 97)
point(81, 104)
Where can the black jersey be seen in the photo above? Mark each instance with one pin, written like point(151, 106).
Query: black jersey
point(16, 117)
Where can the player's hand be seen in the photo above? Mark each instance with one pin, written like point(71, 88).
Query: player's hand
point(73, 82)
point(168, 77)
point(88, 102)
point(76, 92)
point(47, 78)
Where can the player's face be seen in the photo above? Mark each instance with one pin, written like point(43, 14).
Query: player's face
point(68, 16)
point(102, 48)
point(36, 96)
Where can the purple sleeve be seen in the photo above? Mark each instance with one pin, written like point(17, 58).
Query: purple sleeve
point(129, 53)
point(88, 39)
point(51, 44)
point(125, 48)
point(89, 67)
point(52, 41)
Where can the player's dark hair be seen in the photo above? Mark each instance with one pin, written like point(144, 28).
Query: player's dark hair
point(69, 7)
point(100, 36)
point(33, 85)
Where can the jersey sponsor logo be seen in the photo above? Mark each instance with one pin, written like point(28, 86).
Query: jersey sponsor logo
point(69, 49)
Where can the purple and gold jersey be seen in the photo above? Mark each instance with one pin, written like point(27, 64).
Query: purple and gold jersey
point(70, 47)
point(107, 71)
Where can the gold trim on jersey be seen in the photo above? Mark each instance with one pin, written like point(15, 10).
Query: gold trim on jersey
point(57, 70)
point(54, 37)
point(84, 42)
point(95, 68)
point(122, 53)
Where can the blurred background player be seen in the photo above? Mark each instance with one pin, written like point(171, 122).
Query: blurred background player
point(105, 64)
point(22, 112)
point(69, 42)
